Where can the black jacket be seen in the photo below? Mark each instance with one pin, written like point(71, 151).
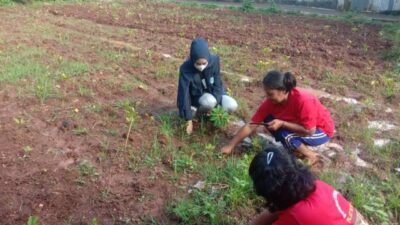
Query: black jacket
point(191, 86)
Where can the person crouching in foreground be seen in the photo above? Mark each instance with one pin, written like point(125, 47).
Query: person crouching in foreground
point(294, 196)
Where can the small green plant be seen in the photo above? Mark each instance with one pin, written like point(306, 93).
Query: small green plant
point(272, 9)
point(110, 132)
point(43, 87)
point(131, 117)
point(390, 86)
point(87, 169)
point(94, 222)
point(85, 91)
point(33, 220)
point(166, 127)
point(266, 50)
point(183, 162)
point(265, 64)
point(19, 121)
point(219, 117)
point(27, 151)
point(247, 6)
point(6, 2)
point(94, 107)
point(80, 131)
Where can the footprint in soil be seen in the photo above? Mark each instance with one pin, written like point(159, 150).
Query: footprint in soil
point(67, 124)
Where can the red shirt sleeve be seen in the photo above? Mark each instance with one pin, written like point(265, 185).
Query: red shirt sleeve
point(285, 218)
point(261, 113)
point(308, 114)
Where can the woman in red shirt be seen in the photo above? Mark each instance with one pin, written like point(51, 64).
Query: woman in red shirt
point(294, 117)
point(294, 196)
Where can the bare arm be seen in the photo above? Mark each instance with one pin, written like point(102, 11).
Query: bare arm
point(298, 128)
point(265, 218)
point(244, 132)
point(277, 124)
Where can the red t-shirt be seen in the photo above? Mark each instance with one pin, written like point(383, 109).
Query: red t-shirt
point(324, 206)
point(301, 108)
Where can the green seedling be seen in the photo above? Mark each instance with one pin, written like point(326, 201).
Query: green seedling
point(80, 131)
point(131, 117)
point(87, 169)
point(27, 150)
point(247, 6)
point(219, 117)
point(94, 222)
point(19, 121)
point(33, 220)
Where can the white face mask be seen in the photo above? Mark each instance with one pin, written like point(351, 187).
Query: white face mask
point(200, 67)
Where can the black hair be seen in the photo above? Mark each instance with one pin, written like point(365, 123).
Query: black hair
point(280, 81)
point(280, 178)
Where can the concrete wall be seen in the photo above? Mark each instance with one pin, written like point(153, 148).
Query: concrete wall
point(332, 4)
point(385, 5)
point(356, 5)
point(370, 5)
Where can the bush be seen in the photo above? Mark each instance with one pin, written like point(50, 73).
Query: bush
point(247, 6)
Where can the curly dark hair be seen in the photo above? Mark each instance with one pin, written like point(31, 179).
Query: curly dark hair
point(280, 178)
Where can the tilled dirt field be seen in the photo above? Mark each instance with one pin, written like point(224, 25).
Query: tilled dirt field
point(48, 149)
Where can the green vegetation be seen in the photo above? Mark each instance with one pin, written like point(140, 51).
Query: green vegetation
point(219, 117)
point(131, 117)
point(226, 186)
point(20, 63)
point(376, 199)
point(103, 93)
point(95, 222)
point(33, 220)
point(391, 32)
point(247, 6)
point(87, 169)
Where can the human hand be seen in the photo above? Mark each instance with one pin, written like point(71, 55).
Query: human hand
point(227, 149)
point(189, 127)
point(275, 125)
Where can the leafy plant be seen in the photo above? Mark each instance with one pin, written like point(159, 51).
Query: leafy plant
point(183, 162)
point(265, 64)
point(33, 220)
point(43, 87)
point(27, 150)
point(86, 168)
point(272, 9)
point(247, 6)
point(226, 186)
point(131, 117)
point(80, 131)
point(219, 117)
point(94, 222)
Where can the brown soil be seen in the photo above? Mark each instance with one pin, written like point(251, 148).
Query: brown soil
point(45, 181)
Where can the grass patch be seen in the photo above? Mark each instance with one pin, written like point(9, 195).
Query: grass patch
point(227, 186)
point(70, 68)
point(80, 131)
point(87, 169)
point(43, 87)
point(22, 62)
point(378, 200)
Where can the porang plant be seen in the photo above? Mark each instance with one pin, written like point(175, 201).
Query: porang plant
point(219, 117)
